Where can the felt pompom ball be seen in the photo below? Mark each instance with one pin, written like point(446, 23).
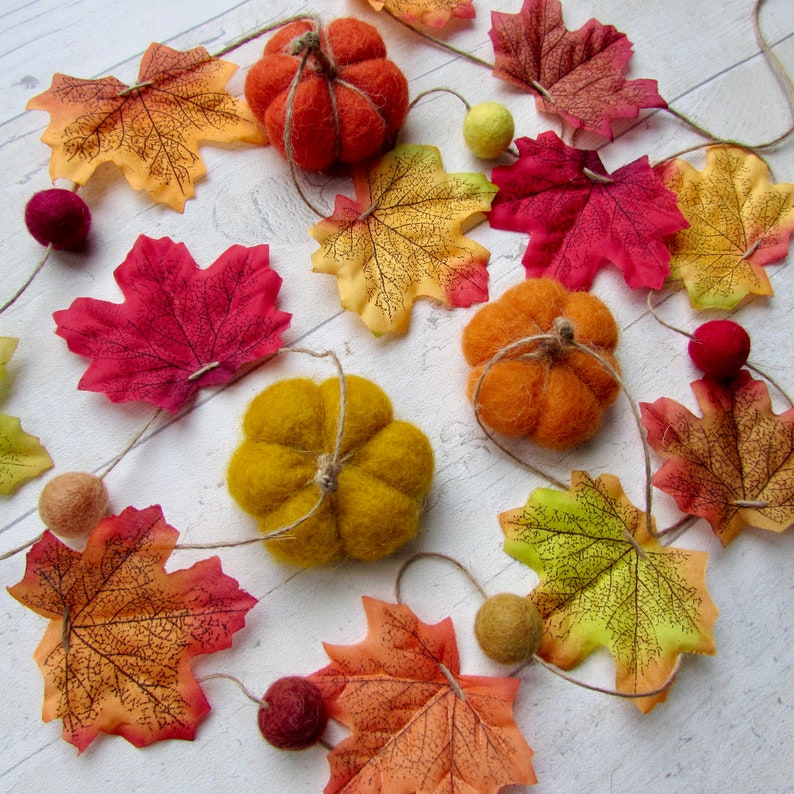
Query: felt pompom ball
point(295, 716)
point(547, 389)
point(372, 495)
point(508, 628)
point(72, 504)
point(488, 129)
point(58, 217)
point(349, 102)
point(720, 348)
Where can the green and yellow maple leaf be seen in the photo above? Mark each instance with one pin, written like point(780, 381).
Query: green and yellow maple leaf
point(22, 456)
point(739, 222)
point(8, 344)
point(606, 582)
point(402, 238)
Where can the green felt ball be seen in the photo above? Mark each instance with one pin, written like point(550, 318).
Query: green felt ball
point(488, 129)
point(508, 628)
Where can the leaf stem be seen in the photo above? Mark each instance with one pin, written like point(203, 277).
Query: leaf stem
point(452, 681)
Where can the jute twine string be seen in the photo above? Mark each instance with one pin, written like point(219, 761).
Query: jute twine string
point(325, 478)
point(765, 375)
point(561, 337)
point(535, 657)
point(328, 465)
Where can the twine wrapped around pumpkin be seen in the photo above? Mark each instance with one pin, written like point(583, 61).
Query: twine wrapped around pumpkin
point(327, 95)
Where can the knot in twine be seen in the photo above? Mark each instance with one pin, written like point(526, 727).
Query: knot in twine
point(328, 468)
point(560, 337)
point(310, 43)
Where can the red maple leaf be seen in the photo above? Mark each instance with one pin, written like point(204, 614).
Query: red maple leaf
point(418, 725)
point(116, 654)
point(579, 217)
point(180, 328)
point(574, 74)
point(735, 465)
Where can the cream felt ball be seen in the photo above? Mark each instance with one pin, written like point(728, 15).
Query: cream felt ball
point(72, 504)
point(361, 501)
point(508, 628)
point(488, 129)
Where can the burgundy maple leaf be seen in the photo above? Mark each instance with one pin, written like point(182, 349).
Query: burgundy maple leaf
point(573, 74)
point(180, 327)
point(580, 217)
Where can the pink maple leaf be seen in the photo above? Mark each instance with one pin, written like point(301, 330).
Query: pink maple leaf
point(180, 327)
point(579, 217)
point(573, 74)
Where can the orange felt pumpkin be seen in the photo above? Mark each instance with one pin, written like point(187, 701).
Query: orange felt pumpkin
point(334, 87)
point(546, 389)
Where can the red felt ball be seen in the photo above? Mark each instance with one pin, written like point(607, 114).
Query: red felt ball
point(59, 217)
point(295, 716)
point(720, 348)
point(349, 101)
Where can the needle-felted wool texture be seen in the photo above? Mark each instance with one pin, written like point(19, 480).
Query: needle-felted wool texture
point(545, 389)
point(373, 491)
point(346, 105)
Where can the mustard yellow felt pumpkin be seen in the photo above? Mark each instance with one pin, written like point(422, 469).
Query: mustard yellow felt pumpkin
point(363, 503)
point(548, 390)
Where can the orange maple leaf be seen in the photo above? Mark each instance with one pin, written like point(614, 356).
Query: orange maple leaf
point(735, 465)
point(433, 13)
point(738, 222)
point(418, 725)
point(150, 130)
point(116, 654)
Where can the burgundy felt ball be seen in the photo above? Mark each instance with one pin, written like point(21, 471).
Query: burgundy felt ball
point(59, 217)
point(720, 348)
point(295, 716)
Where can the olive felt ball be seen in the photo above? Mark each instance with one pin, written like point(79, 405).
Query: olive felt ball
point(370, 495)
point(508, 628)
point(59, 218)
point(547, 389)
point(295, 715)
point(720, 348)
point(342, 99)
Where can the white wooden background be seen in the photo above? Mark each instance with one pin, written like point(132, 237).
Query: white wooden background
point(728, 723)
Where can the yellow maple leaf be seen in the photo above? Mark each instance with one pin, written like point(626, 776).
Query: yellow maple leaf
point(738, 222)
point(8, 344)
point(150, 130)
point(402, 237)
point(433, 13)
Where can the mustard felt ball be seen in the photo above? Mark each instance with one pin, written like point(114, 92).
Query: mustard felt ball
point(508, 628)
point(72, 504)
point(488, 129)
point(372, 490)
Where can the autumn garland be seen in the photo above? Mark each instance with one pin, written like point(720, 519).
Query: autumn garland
point(715, 392)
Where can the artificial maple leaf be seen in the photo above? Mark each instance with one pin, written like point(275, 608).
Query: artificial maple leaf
point(735, 465)
point(402, 237)
point(738, 222)
point(180, 328)
point(418, 726)
point(116, 654)
point(150, 130)
point(605, 581)
point(579, 217)
point(22, 457)
point(433, 13)
point(573, 74)
point(8, 344)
